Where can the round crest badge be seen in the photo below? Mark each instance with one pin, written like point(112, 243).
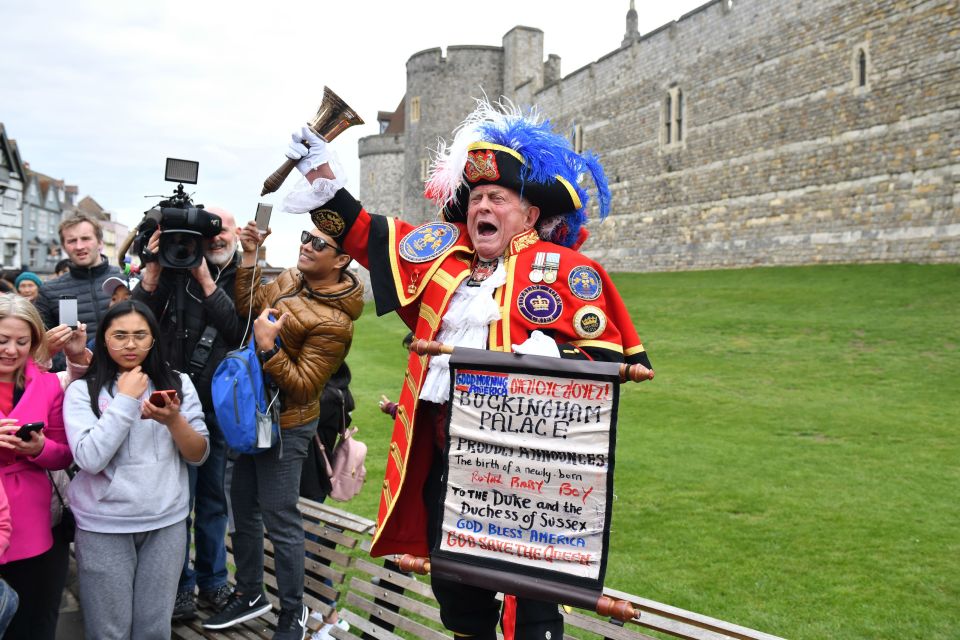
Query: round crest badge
point(428, 241)
point(584, 282)
point(589, 322)
point(329, 222)
point(539, 304)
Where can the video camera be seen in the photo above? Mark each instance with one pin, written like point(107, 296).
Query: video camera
point(183, 225)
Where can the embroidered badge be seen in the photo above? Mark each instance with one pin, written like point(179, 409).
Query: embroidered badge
point(482, 165)
point(539, 304)
point(523, 240)
point(584, 282)
point(428, 241)
point(589, 322)
point(329, 222)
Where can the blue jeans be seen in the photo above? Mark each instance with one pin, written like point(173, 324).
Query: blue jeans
point(8, 604)
point(208, 504)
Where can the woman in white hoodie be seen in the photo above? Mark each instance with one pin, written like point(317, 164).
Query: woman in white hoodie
point(130, 497)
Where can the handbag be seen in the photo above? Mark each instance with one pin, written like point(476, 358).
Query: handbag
point(61, 517)
point(347, 471)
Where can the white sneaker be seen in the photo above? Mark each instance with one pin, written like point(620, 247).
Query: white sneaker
point(324, 632)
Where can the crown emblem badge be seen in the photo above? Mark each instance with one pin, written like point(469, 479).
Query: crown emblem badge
point(539, 304)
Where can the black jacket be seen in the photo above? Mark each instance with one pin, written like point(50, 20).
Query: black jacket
point(199, 312)
point(86, 283)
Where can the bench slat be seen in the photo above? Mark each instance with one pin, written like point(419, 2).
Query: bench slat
point(603, 628)
point(725, 629)
point(420, 631)
point(404, 603)
point(407, 582)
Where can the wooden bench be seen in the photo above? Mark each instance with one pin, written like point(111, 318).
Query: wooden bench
point(340, 533)
point(381, 602)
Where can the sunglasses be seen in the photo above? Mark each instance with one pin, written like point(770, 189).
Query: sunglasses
point(318, 243)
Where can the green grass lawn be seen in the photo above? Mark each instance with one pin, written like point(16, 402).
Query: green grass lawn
point(795, 465)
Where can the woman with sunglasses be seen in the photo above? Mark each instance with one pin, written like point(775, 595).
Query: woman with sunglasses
point(315, 305)
point(133, 425)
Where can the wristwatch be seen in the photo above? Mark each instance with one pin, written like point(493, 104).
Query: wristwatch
point(266, 355)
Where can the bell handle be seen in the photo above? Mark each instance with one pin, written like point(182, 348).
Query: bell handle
point(273, 182)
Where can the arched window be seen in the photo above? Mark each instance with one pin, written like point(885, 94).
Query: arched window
point(861, 68)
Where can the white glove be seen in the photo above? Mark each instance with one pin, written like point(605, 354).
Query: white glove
point(538, 344)
point(311, 155)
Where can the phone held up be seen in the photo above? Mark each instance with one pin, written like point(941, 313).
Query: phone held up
point(68, 310)
point(25, 430)
point(159, 398)
point(263, 216)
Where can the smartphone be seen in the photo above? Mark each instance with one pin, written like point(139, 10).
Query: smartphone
point(68, 310)
point(31, 427)
point(263, 216)
point(159, 399)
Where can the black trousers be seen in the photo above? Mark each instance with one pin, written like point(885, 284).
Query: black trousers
point(39, 583)
point(472, 611)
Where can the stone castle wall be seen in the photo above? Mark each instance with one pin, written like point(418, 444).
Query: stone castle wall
point(784, 158)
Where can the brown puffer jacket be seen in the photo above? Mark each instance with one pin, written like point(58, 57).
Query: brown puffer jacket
point(315, 338)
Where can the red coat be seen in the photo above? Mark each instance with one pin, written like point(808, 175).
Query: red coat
point(25, 479)
point(414, 271)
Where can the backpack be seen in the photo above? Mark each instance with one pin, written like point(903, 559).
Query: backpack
point(347, 472)
point(245, 401)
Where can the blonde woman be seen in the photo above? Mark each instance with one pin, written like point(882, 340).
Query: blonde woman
point(35, 563)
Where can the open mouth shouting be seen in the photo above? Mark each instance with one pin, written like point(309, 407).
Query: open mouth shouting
point(486, 229)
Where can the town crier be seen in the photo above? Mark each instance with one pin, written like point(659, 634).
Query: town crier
point(498, 270)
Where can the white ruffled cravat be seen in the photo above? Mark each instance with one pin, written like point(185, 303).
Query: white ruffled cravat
point(465, 324)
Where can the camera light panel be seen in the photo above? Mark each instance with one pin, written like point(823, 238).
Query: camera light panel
point(182, 170)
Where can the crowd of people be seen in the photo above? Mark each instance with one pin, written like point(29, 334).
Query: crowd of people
point(111, 414)
point(123, 391)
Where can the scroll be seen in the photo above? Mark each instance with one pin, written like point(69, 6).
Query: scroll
point(526, 496)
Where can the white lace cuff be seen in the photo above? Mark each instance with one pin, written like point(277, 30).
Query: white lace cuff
point(305, 197)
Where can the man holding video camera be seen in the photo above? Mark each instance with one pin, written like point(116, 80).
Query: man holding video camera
point(199, 322)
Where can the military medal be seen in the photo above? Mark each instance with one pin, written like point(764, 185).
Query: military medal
point(536, 272)
point(551, 268)
point(482, 270)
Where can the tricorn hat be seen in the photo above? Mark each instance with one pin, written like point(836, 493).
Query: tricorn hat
point(499, 144)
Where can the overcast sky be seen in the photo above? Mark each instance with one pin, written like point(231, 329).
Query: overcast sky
point(100, 92)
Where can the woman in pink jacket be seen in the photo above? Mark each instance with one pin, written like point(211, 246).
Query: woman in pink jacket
point(34, 564)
